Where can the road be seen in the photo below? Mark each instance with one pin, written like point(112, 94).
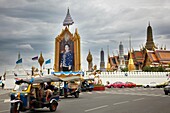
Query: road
point(126, 100)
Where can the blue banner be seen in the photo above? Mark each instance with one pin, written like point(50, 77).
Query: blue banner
point(48, 61)
point(19, 61)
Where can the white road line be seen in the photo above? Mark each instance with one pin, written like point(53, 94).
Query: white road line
point(96, 108)
point(89, 92)
point(4, 111)
point(100, 97)
point(75, 100)
point(121, 103)
point(99, 92)
point(6, 100)
point(138, 99)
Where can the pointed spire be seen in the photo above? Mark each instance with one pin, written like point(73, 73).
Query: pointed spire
point(68, 20)
point(149, 23)
point(19, 56)
point(131, 65)
point(108, 62)
point(130, 43)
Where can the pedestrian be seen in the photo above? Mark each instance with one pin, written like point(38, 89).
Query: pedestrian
point(3, 84)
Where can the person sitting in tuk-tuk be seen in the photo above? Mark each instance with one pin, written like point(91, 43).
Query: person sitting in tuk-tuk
point(49, 90)
point(72, 85)
point(55, 91)
point(41, 91)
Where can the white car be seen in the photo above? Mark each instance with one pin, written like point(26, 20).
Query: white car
point(151, 84)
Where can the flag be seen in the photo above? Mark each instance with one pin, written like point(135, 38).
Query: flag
point(48, 61)
point(19, 61)
point(35, 58)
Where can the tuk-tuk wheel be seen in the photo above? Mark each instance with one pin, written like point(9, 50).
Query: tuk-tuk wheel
point(65, 96)
point(53, 106)
point(13, 109)
point(76, 95)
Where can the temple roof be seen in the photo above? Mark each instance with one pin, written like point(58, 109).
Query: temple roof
point(68, 20)
point(138, 56)
point(161, 56)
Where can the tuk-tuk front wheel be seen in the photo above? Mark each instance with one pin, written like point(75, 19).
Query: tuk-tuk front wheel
point(53, 106)
point(13, 108)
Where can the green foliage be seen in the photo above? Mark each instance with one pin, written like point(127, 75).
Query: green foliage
point(147, 69)
point(124, 69)
point(154, 69)
point(161, 69)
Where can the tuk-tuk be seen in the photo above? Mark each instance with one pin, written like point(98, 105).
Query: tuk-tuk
point(29, 94)
point(87, 84)
point(70, 86)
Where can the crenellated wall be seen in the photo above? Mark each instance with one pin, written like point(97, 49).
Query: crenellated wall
point(136, 77)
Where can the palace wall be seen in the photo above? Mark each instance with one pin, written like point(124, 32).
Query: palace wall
point(136, 77)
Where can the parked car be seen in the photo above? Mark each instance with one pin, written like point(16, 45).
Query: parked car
point(151, 84)
point(130, 84)
point(167, 89)
point(118, 85)
point(108, 85)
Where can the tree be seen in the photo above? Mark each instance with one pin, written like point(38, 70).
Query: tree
point(147, 69)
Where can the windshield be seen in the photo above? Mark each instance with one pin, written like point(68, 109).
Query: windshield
point(21, 87)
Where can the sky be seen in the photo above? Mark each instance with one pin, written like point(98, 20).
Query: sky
point(31, 26)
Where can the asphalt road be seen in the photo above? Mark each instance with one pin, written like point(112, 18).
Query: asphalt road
point(126, 100)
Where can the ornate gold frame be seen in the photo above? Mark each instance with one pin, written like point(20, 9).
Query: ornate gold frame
point(77, 55)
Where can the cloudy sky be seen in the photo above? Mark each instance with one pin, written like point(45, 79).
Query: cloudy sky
point(30, 26)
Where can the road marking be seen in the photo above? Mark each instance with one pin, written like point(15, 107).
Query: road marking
point(4, 111)
point(89, 92)
point(96, 108)
point(99, 92)
point(141, 94)
point(100, 97)
point(107, 92)
point(75, 100)
point(138, 99)
point(6, 100)
point(121, 103)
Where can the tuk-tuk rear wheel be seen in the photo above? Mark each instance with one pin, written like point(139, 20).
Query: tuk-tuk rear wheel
point(53, 106)
point(13, 109)
point(76, 95)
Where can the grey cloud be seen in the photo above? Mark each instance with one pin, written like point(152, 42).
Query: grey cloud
point(99, 22)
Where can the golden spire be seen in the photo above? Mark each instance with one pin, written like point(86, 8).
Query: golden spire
point(89, 57)
point(108, 62)
point(131, 65)
point(41, 61)
point(89, 60)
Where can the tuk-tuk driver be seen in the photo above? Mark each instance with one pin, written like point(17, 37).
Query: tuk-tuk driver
point(49, 90)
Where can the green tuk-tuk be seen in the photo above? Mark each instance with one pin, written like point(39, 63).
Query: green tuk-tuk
point(29, 94)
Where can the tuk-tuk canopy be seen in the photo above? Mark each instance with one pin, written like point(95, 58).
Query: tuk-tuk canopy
point(72, 78)
point(89, 79)
point(49, 78)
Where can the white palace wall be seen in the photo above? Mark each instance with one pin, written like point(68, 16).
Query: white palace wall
point(136, 77)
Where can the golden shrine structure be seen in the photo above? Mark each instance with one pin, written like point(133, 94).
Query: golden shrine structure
point(66, 37)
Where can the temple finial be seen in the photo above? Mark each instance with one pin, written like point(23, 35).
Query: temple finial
point(68, 20)
point(149, 23)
